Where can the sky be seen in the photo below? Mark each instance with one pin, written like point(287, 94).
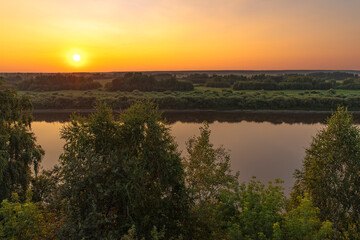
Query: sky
point(164, 35)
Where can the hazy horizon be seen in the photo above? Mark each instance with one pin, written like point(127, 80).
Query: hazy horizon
point(204, 71)
point(178, 35)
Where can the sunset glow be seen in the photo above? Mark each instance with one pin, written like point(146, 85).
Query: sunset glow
point(76, 57)
point(136, 35)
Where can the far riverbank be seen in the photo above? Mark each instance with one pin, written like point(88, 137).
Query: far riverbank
point(198, 116)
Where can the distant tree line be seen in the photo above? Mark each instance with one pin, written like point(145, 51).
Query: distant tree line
point(168, 82)
point(333, 75)
point(13, 78)
point(58, 82)
point(285, 83)
point(296, 82)
point(214, 80)
point(146, 83)
point(223, 81)
point(312, 81)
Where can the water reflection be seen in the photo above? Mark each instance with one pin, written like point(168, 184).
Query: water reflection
point(264, 145)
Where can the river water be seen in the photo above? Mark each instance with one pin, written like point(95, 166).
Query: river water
point(263, 144)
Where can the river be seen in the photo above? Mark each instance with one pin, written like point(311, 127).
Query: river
point(267, 145)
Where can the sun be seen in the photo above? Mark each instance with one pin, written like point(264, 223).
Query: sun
point(76, 57)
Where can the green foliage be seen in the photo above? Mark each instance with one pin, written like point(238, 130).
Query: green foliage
point(23, 220)
point(331, 91)
point(254, 211)
point(303, 223)
point(45, 186)
point(207, 173)
point(201, 98)
point(330, 174)
point(131, 235)
point(119, 174)
point(18, 149)
point(142, 82)
point(332, 75)
point(251, 210)
point(207, 168)
point(284, 82)
point(277, 234)
point(219, 82)
point(58, 82)
point(252, 85)
point(154, 235)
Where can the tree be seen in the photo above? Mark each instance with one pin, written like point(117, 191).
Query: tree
point(256, 211)
point(58, 82)
point(117, 174)
point(45, 187)
point(207, 168)
point(145, 83)
point(18, 149)
point(251, 210)
point(331, 174)
point(155, 235)
point(207, 173)
point(303, 223)
point(24, 220)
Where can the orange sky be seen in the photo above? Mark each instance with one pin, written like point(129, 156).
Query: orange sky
point(136, 35)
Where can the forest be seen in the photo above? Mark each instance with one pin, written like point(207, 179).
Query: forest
point(310, 81)
point(122, 177)
point(58, 82)
point(146, 83)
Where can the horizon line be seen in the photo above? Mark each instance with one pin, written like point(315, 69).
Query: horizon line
point(150, 71)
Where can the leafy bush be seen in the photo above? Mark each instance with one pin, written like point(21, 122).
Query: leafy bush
point(24, 220)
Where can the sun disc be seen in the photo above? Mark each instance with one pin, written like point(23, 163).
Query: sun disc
point(76, 57)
